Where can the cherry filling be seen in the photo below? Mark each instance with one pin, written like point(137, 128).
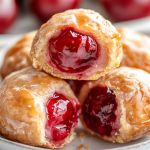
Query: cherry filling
point(100, 111)
point(76, 85)
point(72, 52)
point(62, 116)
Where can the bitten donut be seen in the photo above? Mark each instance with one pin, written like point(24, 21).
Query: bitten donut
point(136, 48)
point(17, 57)
point(37, 109)
point(116, 107)
point(77, 44)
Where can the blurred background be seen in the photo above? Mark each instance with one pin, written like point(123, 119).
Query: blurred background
point(20, 16)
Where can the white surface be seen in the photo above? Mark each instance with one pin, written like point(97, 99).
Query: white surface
point(93, 143)
point(142, 25)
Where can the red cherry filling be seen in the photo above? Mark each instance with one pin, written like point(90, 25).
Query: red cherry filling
point(76, 85)
point(72, 52)
point(62, 116)
point(100, 111)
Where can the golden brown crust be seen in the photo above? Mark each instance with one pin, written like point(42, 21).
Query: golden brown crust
point(132, 90)
point(24, 95)
point(136, 47)
point(84, 21)
point(17, 57)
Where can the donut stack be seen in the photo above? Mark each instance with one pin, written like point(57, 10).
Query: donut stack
point(71, 67)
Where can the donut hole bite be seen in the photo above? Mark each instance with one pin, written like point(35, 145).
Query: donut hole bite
point(114, 108)
point(44, 110)
point(17, 56)
point(62, 116)
point(100, 111)
point(73, 52)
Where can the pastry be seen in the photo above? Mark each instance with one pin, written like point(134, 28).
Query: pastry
point(17, 57)
point(37, 109)
point(77, 44)
point(136, 48)
point(116, 107)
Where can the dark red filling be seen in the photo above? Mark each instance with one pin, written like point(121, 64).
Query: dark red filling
point(62, 116)
point(100, 111)
point(76, 85)
point(72, 52)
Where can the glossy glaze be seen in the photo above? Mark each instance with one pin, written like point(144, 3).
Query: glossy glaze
point(18, 56)
point(23, 111)
point(77, 44)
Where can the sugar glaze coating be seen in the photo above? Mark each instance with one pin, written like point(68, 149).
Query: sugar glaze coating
point(85, 24)
point(26, 100)
point(132, 91)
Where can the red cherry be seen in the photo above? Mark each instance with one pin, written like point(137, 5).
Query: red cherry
point(76, 85)
point(127, 9)
point(100, 111)
point(8, 13)
point(44, 9)
point(62, 116)
point(72, 52)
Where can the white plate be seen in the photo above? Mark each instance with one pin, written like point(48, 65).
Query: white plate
point(90, 142)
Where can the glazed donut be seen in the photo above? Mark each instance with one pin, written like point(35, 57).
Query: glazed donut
point(136, 48)
point(17, 57)
point(77, 44)
point(37, 109)
point(116, 107)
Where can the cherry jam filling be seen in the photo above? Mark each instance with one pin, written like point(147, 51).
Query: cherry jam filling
point(76, 85)
point(72, 52)
point(100, 111)
point(62, 116)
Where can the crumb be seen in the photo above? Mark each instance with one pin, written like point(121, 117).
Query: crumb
point(82, 135)
point(83, 147)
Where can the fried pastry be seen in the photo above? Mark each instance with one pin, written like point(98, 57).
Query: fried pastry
point(136, 48)
point(116, 107)
point(17, 57)
point(77, 44)
point(37, 109)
